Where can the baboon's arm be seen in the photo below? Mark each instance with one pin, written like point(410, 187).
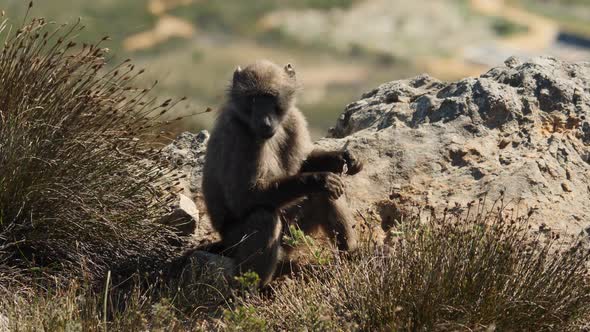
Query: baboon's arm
point(324, 161)
point(284, 190)
point(277, 193)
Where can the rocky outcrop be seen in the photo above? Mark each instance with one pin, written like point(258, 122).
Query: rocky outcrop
point(522, 129)
point(187, 155)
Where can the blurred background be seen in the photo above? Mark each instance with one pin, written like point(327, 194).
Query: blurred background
point(340, 48)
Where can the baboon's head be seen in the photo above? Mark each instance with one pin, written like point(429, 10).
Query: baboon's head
point(263, 93)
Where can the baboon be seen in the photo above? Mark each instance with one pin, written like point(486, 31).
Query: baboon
point(260, 160)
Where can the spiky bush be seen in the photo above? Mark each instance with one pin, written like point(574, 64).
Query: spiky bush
point(79, 188)
point(479, 272)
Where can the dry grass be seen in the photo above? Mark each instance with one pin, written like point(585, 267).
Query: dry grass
point(480, 272)
point(191, 302)
point(472, 273)
point(76, 308)
point(79, 188)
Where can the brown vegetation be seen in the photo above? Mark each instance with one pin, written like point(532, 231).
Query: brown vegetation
point(481, 270)
point(78, 192)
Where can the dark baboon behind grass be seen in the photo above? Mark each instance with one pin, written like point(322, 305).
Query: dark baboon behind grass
point(260, 159)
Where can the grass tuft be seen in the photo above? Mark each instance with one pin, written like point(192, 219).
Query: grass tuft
point(480, 272)
point(79, 188)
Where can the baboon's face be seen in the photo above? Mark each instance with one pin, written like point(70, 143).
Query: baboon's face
point(266, 115)
point(264, 93)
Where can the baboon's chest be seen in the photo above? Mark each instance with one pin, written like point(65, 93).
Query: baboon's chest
point(278, 162)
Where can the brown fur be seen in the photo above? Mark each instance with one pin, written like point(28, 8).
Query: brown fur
point(260, 160)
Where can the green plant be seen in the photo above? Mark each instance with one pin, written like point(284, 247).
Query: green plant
point(164, 316)
point(244, 318)
point(77, 307)
point(248, 282)
point(296, 237)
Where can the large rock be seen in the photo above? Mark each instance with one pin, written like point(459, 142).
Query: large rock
point(522, 129)
point(187, 155)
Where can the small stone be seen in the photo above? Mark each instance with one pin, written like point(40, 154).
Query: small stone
point(566, 187)
point(187, 153)
point(184, 217)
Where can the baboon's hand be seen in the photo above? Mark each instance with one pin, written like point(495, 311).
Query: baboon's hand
point(330, 184)
point(353, 164)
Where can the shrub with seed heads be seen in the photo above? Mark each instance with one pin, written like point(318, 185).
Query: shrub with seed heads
point(80, 187)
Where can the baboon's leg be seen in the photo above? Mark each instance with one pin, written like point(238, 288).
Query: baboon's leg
point(334, 216)
point(341, 223)
point(255, 244)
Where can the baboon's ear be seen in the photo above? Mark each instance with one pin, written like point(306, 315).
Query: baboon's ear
point(237, 73)
point(290, 70)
